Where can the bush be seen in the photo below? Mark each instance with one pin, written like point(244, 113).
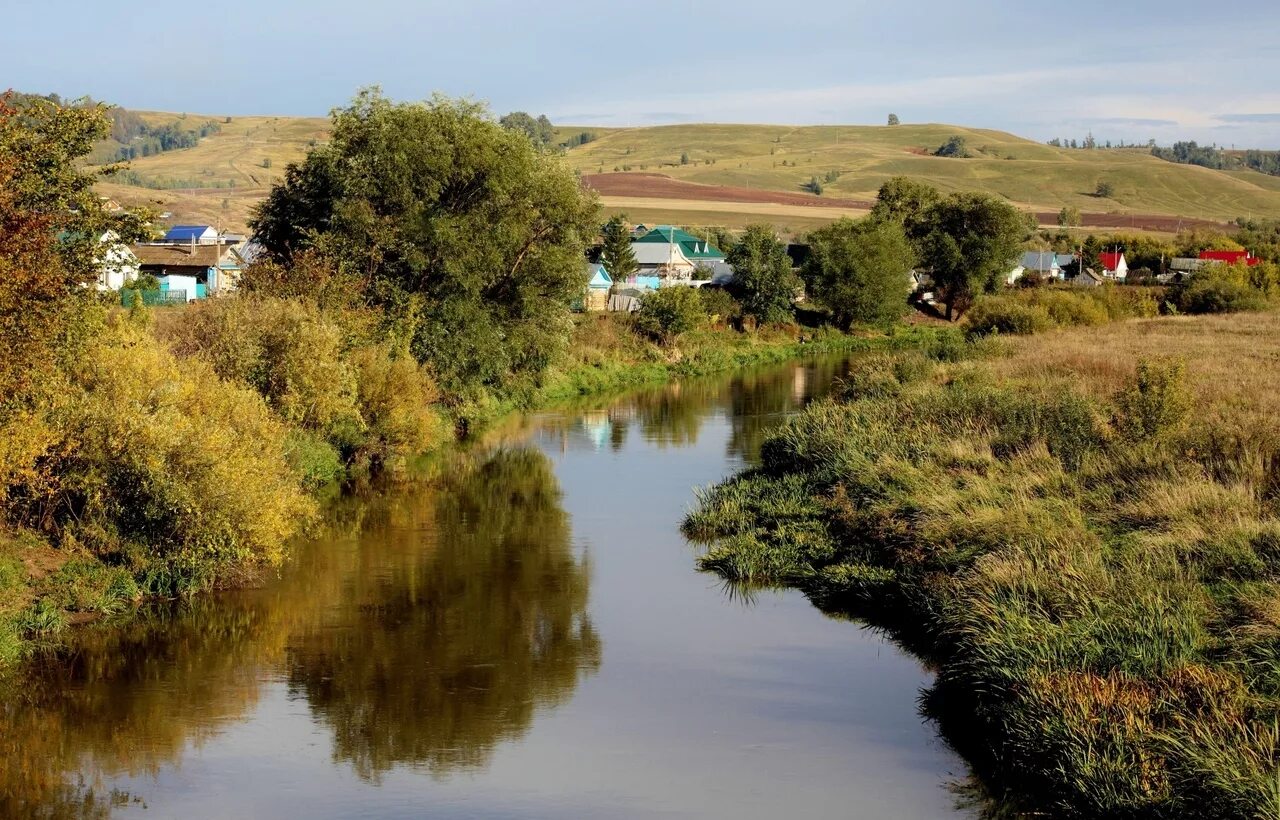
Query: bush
point(287, 350)
point(1156, 403)
point(1004, 315)
point(719, 303)
point(164, 463)
point(669, 312)
point(397, 398)
point(1216, 291)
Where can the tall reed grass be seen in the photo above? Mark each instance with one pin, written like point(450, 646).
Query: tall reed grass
point(1082, 534)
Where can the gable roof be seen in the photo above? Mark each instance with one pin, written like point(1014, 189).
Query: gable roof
point(180, 256)
point(1111, 261)
point(187, 233)
point(693, 247)
point(1040, 261)
point(653, 253)
point(599, 277)
point(1187, 263)
point(1231, 257)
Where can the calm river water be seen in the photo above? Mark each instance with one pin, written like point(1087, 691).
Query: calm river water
point(521, 635)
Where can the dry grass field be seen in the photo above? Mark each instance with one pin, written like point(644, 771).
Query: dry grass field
point(221, 179)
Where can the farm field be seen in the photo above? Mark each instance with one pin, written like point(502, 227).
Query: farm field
point(735, 174)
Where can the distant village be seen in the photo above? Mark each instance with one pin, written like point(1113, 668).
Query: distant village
point(194, 262)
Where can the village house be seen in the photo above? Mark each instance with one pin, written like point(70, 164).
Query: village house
point(1114, 266)
point(197, 270)
point(1044, 264)
point(1230, 258)
point(117, 264)
point(1088, 278)
point(599, 283)
point(192, 235)
point(665, 260)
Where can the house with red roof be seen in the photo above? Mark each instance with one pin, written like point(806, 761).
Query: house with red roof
point(1230, 257)
point(1114, 265)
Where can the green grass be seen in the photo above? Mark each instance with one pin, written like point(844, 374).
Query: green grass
point(1082, 535)
point(607, 355)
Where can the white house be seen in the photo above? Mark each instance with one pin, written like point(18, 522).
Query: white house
point(1114, 266)
point(117, 264)
point(663, 259)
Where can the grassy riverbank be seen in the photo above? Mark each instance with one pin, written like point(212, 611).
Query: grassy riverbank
point(1081, 530)
point(607, 354)
point(330, 401)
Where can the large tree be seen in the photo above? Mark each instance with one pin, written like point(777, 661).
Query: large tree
point(904, 200)
point(617, 257)
point(539, 129)
point(470, 237)
point(51, 221)
point(762, 276)
point(860, 270)
point(970, 242)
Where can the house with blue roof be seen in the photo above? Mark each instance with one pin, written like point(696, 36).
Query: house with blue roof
point(599, 283)
point(192, 235)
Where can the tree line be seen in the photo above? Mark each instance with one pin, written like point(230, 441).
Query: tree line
point(1211, 156)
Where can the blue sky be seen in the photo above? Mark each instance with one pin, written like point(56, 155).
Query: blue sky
point(1123, 69)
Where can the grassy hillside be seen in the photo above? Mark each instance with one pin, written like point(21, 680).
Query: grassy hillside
point(220, 179)
point(1026, 172)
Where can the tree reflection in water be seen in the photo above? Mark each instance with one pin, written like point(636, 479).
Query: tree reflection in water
point(424, 627)
point(435, 661)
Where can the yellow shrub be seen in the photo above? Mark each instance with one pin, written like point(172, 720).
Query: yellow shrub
point(164, 456)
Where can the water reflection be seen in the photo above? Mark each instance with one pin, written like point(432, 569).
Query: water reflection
point(423, 628)
point(434, 659)
point(431, 628)
point(753, 402)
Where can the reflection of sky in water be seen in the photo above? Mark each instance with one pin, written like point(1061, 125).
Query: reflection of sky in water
point(501, 653)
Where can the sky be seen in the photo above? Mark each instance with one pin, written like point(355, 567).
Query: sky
point(1123, 69)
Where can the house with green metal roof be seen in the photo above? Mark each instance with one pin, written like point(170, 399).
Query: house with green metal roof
point(696, 250)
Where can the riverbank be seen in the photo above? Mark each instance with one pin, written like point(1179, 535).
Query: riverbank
point(1081, 531)
point(606, 355)
point(292, 355)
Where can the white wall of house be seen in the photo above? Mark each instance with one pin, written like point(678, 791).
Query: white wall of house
point(117, 266)
point(176, 281)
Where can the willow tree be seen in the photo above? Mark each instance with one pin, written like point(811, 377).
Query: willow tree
point(467, 234)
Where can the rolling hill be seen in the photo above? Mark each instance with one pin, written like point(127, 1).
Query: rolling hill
point(708, 167)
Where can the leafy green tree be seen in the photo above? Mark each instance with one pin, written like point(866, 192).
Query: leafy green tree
point(668, 313)
point(904, 200)
point(1069, 217)
point(970, 242)
point(893, 119)
point(762, 276)
point(813, 186)
point(618, 257)
point(859, 270)
point(684, 157)
point(954, 147)
point(540, 130)
point(546, 131)
point(467, 235)
point(1105, 189)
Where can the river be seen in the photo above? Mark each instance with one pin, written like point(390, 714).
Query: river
point(519, 633)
